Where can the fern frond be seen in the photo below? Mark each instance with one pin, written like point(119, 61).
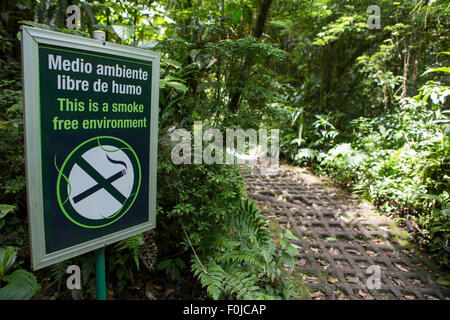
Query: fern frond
point(243, 256)
point(59, 270)
point(134, 245)
point(211, 280)
point(248, 221)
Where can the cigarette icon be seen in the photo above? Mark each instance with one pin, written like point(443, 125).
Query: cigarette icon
point(98, 187)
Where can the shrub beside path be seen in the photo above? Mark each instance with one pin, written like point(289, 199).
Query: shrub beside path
point(339, 239)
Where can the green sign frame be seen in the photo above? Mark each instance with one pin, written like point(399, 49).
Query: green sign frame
point(52, 155)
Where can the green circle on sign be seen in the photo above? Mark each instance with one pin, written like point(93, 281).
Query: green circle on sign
point(63, 184)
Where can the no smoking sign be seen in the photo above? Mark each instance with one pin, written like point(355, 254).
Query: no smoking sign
point(102, 170)
point(91, 155)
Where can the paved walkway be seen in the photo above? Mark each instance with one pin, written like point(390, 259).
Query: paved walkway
point(339, 239)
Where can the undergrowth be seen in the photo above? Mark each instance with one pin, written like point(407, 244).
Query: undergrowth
point(400, 162)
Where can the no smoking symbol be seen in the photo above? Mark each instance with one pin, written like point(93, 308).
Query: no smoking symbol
point(98, 182)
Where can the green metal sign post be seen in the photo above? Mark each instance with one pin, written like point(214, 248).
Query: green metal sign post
point(91, 127)
point(100, 274)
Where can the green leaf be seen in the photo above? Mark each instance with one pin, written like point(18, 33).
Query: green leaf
point(291, 250)
point(287, 259)
point(236, 16)
point(147, 44)
point(87, 8)
point(15, 107)
point(431, 197)
point(22, 285)
point(123, 31)
point(35, 24)
point(442, 69)
point(176, 85)
point(5, 209)
point(172, 63)
point(289, 235)
point(444, 280)
point(180, 262)
point(164, 264)
point(8, 256)
point(104, 27)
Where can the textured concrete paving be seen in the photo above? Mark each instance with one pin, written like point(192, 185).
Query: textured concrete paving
point(339, 239)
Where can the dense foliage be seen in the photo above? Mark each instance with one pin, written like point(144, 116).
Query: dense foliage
point(372, 114)
point(358, 104)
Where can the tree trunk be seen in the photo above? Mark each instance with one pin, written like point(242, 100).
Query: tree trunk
point(405, 72)
point(257, 32)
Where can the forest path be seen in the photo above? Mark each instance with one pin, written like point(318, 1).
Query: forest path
point(340, 238)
